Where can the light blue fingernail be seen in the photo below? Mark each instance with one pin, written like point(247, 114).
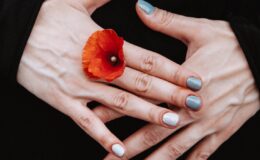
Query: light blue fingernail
point(146, 7)
point(193, 102)
point(194, 83)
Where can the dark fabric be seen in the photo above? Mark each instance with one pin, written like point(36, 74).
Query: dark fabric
point(248, 35)
point(32, 130)
point(17, 19)
point(245, 22)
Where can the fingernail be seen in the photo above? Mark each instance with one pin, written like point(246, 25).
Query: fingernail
point(193, 102)
point(171, 119)
point(118, 150)
point(145, 6)
point(194, 83)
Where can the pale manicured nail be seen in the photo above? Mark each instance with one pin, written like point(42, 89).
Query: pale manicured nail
point(145, 6)
point(193, 102)
point(171, 119)
point(194, 83)
point(118, 150)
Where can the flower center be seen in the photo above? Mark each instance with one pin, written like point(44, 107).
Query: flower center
point(114, 60)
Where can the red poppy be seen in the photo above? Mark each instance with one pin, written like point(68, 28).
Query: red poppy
point(103, 55)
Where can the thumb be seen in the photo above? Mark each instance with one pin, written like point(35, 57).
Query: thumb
point(92, 5)
point(180, 27)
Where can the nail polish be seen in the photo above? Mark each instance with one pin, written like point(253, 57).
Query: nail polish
point(118, 150)
point(193, 102)
point(171, 119)
point(194, 83)
point(146, 6)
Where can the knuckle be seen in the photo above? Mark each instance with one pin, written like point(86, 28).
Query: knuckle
point(178, 97)
point(148, 63)
point(175, 150)
point(151, 137)
point(202, 22)
point(84, 122)
point(120, 100)
point(201, 31)
point(203, 155)
point(143, 82)
point(193, 115)
point(176, 75)
point(165, 18)
point(106, 140)
point(174, 98)
point(203, 27)
point(102, 113)
point(153, 114)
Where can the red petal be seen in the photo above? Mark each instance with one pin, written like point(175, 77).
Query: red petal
point(98, 48)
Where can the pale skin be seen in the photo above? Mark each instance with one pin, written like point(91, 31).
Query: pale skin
point(50, 68)
point(229, 93)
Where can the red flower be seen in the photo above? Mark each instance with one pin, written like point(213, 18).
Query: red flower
point(103, 55)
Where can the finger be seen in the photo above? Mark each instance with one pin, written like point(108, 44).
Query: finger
point(210, 144)
point(143, 139)
point(95, 128)
point(206, 148)
point(180, 27)
point(155, 88)
point(156, 65)
point(92, 5)
point(131, 105)
point(106, 114)
point(183, 141)
point(148, 137)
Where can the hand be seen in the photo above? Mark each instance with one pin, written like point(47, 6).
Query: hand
point(51, 69)
point(229, 93)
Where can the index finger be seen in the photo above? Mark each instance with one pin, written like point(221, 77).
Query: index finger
point(95, 128)
point(149, 136)
point(156, 65)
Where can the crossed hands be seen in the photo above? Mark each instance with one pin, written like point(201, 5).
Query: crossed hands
point(210, 96)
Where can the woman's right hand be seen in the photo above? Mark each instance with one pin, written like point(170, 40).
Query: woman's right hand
point(229, 92)
point(51, 69)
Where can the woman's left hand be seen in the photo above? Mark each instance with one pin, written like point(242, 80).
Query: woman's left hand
point(229, 93)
